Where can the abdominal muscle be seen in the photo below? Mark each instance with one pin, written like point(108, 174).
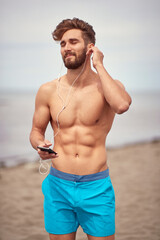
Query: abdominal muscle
point(80, 151)
point(84, 125)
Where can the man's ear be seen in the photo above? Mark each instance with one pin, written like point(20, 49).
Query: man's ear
point(89, 48)
point(90, 45)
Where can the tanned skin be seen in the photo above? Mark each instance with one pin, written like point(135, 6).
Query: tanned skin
point(86, 121)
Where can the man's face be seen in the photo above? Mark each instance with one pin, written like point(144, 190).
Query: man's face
point(73, 49)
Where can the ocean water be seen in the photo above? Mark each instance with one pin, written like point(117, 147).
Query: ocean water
point(140, 124)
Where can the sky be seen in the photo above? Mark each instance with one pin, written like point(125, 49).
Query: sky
point(127, 32)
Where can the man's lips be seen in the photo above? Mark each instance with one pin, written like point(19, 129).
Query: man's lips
point(68, 55)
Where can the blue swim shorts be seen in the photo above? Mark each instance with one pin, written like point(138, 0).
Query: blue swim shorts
point(71, 200)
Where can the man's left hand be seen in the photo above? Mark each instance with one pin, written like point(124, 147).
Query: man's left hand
point(97, 58)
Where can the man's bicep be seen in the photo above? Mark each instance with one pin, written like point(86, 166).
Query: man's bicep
point(41, 116)
point(41, 119)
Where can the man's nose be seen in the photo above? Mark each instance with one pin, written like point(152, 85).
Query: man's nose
point(67, 47)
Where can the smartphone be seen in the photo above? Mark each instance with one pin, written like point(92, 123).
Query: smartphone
point(44, 149)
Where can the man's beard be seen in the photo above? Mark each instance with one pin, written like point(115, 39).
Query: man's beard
point(70, 64)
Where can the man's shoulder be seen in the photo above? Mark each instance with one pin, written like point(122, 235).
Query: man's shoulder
point(48, 87)
point(46, 90)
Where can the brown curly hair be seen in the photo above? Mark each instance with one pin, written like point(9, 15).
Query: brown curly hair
point(67, 24)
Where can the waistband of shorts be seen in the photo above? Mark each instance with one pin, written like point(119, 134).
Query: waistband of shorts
point(79, 178)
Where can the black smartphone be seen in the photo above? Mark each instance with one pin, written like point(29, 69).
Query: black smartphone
point(49, 150)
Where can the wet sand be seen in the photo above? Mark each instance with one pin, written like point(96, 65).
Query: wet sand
point(135, 174)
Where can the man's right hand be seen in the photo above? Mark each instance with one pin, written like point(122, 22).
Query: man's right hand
point(45, 155)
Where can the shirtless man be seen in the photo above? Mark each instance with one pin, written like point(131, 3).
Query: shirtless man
point(81, 107)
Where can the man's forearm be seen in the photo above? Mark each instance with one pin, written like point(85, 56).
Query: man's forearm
point(113, 90)
point(115, 95)
point(36, 138)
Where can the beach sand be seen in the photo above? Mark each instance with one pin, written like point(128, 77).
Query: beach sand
point(135, 174)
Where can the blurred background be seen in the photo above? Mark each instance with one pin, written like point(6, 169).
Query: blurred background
point(127, 32)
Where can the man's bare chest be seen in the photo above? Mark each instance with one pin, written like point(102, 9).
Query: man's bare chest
point(81, 108)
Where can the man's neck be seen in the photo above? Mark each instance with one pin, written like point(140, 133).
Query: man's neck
point(82, 74)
